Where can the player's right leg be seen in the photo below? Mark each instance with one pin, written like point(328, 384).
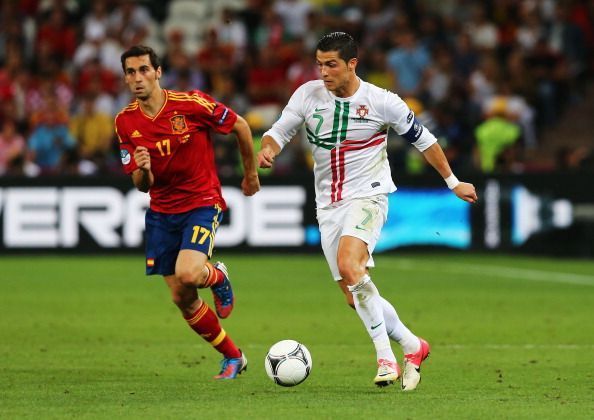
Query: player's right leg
point(162, 250)
point(202, 319)
point(412, 366)
point(198, 235)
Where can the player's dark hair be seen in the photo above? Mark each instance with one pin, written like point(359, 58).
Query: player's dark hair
point(341, 42)
point(138, 51)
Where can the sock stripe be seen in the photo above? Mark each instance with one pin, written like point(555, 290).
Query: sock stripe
point(198, 314)
point(219, 338)
point(212, 275)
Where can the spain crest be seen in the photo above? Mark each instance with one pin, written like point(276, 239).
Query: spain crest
point(362, 111)
point(178, 124)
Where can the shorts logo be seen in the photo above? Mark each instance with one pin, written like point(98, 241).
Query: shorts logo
point(150, 262)
point(125, 156)
point(178, 124)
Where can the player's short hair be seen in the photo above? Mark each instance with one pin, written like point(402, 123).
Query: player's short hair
point(341, 42)
point(138, 51)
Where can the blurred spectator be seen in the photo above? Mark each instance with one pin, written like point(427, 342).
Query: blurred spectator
point(93, 73)
point(293, 14)
point(251, 16)
point(50, 139)
point(12, 145)
point(304, 69)
point(213, 58)
point(482, 32)
point(92, 131)
point(379, 16)
point(495, 137)
point(57, 37)
point(181, 75)
point(232, 34)
point(440, 76)
point(266, 79)
point(409, 61)
point(270, 33)
point(130, 23)
point(378, 72)
point(97, 45)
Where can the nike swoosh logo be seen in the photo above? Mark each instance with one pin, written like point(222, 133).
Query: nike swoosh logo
point(320, 109)
point(359, 227)
point(373, 327)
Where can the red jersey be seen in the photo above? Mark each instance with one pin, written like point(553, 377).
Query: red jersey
point(179, 142)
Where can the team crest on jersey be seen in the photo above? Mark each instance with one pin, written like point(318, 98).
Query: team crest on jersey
point(178, 124)
point(362, 111)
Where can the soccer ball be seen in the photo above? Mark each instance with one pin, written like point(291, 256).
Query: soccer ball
point(288, 363)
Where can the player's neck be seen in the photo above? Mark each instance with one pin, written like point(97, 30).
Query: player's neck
point(153, 104)
point(349, 89)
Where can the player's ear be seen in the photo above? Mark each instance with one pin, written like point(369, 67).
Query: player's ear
point(352, 64)
point(158, 73)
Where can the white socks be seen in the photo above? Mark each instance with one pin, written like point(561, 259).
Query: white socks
point(381, 320)
point(369, 307)
point(397, 331)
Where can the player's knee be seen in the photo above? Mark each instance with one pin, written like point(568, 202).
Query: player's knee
point(187, 277)
point(350, 271)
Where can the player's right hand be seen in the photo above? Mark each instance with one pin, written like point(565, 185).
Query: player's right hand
point(466, 192)
point(142, 158)
point(266, 157)
point(250, 184)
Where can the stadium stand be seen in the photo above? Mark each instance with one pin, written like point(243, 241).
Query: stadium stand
point(460, 63)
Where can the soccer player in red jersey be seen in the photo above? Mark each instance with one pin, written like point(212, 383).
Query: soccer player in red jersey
point(166, 147)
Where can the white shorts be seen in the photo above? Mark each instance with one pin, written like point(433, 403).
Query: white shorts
point(362, 218)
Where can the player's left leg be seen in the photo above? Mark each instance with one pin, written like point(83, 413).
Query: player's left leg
point(352, 258)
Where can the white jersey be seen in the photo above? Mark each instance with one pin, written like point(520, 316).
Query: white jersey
point(348, 137)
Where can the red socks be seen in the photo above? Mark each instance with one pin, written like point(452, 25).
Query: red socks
point(215, 276)
point(205, 322)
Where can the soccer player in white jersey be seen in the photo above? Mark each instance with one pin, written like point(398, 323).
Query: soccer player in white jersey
point(347, 122)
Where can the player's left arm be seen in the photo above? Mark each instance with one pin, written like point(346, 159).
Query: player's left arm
point(251, 183)
point(436, 158)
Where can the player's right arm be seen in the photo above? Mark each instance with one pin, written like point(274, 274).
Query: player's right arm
point(142, 177)
point(268, 152)
point(283, 130)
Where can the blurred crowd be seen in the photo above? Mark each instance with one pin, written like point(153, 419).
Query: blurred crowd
point(486, 77)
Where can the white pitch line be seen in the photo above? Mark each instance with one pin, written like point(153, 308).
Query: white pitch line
point(518, 346)
point(502, 272)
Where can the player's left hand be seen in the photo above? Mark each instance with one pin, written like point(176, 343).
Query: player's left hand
point(250, 184)
point(466, 192)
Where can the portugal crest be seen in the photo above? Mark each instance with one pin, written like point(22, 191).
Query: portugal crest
point(178, 124)
point(362, 111)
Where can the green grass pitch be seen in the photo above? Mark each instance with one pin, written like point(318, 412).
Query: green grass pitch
point(93, 337)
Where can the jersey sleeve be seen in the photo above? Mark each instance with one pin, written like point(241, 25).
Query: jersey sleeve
point(291, 119)
point(402, 119)
point(212, 113)
point(126, 147)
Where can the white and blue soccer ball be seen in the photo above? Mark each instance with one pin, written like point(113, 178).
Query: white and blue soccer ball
point(288, 363)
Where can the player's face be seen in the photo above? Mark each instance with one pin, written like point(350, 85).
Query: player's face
point(142, 79)
point(335, 72)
